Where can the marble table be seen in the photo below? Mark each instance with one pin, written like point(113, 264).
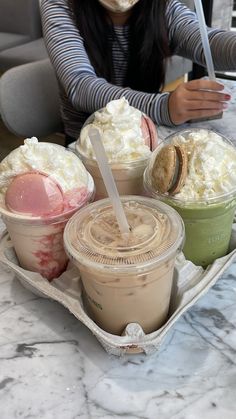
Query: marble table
point(51, 366)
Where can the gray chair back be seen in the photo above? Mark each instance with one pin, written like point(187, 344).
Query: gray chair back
point(21, 54)
point(29, 100)
point(20, 17)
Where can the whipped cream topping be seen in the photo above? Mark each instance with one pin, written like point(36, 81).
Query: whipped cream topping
point(211, 165)
point(119, 125)
point(60, 164)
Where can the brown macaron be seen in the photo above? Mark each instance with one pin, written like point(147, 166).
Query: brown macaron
point(170, 169)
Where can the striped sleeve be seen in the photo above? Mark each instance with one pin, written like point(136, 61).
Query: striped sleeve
point(185, 38)
point(85, 90)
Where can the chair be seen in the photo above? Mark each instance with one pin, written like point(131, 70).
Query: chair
point(19, 22)
point(21, 39)
point(29, 100)
point(22, 54)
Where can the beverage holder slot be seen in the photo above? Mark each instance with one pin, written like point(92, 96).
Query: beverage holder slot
point(190, 283)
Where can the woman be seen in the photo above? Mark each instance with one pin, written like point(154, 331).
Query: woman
point(105, 49)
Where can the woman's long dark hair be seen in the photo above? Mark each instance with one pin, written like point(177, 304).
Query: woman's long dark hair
point(148, 41)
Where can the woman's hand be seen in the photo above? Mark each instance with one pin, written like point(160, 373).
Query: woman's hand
point(196, 99)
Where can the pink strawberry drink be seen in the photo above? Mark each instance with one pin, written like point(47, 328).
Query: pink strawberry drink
point(128, 137)
point(41, 186)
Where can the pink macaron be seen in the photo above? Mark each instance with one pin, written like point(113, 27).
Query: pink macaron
point(149, 132)
point(34, 194)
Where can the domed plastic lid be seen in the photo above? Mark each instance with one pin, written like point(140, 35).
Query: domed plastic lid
point(133, 134)
point(203, 172)
point(92, 236)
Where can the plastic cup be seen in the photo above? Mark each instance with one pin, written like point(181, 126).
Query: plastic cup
point(128, 175)
point(38, 241)
point(126, 280)
point(208, 222)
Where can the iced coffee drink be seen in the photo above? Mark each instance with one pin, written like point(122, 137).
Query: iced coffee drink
point(41, 186)
point(128, 137)
point(126, 278)
point(195, 172)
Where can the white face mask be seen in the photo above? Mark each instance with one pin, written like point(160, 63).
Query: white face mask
point(118, 5)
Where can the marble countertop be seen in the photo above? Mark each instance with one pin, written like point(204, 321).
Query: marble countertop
point(51, 366)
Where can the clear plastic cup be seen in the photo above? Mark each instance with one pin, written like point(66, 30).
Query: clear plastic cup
point(38, 240)
point(208, 222)
point(126, 280)
point(128, 175)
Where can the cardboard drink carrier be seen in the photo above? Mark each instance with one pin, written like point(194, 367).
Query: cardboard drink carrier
point(190, 283)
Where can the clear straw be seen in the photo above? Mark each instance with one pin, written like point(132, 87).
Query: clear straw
point(108, 179)
point(205, 40)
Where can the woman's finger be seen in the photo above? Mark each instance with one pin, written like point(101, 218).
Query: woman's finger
point(202, 84)
point(197, 114)
point(207, 96)
point(204, 104)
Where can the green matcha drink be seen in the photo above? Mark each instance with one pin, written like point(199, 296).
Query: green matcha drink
point(208, 229)
point(205, 196)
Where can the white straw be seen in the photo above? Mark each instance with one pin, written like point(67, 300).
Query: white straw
point(205, 40)
point(108, 180)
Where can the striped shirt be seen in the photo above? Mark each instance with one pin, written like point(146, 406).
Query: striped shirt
point(82, 92)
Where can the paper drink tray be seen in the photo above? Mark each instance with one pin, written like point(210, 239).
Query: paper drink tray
point(190, 283)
